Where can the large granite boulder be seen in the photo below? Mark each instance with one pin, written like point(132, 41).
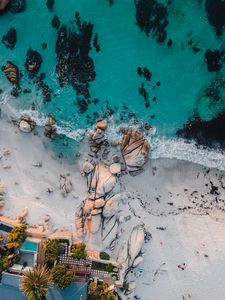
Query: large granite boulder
point(111, 206)
point(135, 150)
point(101, 182)
point(129, 253)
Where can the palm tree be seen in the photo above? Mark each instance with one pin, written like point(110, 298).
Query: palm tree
point(34, 284)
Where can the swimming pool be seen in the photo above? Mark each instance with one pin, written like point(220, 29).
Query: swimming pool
point(29, 246)
point(5, 228)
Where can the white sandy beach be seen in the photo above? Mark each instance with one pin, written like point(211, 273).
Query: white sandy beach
point(161, 197)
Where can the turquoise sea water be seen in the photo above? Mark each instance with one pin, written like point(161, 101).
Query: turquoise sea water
point(182, 73)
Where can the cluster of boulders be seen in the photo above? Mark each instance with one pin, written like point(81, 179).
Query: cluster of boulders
point(50, 129)
point(33, 61)
point(97, 139)
point(2, 194)
point(99, 211)
point(99, 217)
point(26, 124)
point(9, 40)
point(135, 150)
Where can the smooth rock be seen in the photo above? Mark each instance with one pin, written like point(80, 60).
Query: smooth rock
point(95, 223)
point(112, 206)
point(96, 211)
point(115, 168)
point(87, 167)
point(12, 72)
point(99, 203)
point(102, 124)
point(24, 126)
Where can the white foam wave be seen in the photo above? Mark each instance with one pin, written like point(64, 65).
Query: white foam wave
point(189, 151)
point(160, 147)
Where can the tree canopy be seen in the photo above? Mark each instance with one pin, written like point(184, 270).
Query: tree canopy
point(62, 276)
point(78, 251)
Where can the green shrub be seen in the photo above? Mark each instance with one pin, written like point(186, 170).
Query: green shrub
point(51, 248)
point(62, 276)
point(110, 296)
point(16, 236)
point(104, 255)
point(109, 268)
point(6, 263)
point(78, 251)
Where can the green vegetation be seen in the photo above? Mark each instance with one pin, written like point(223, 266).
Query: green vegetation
point(78, 251)
point(62, 276)
point(51, 248)
point(109, 268)
point(34, 284)
point(110, 296)
point(9, 255)
point(16, 237)
point(99, 291)
point(104, 255)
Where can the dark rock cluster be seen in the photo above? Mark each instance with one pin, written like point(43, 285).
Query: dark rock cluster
point(208, 133)
point(17, 6)
point(33, 62)
point(214, 59)
point(9, 40)
point(74, 65)
point(33, 65)
point(46, 91)
point(143, 89)
point(152, 18)
point(50, 4)
point(55, 22)
point(216, 14)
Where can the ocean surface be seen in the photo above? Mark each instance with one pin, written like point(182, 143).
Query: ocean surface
point(179, 88)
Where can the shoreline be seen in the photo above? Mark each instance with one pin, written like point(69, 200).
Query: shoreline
point(160, 197)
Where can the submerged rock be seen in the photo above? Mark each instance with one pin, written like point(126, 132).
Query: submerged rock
point(17, 6)
point(135, 150)
point(55, 22)
point(33, 61)
point(208, 133)
point(215, 11)
point(50, 4)
point(152, 18)
point(74, 65)
point(9, 40)
point(214, 59)
point(12, 72)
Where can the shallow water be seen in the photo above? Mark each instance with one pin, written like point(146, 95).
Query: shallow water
point(181, 71)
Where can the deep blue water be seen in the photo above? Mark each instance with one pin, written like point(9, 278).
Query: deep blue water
point(180, 80)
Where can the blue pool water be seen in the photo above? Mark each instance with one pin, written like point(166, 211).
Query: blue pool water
point(29, 246)
point(180, 69)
